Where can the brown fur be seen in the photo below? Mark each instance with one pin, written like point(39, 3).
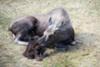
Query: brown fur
point(52, 28)
point(34, 50)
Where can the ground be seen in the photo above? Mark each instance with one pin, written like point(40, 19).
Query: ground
point(85, 17)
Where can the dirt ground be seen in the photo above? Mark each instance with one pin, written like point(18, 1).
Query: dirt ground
point(85, 17)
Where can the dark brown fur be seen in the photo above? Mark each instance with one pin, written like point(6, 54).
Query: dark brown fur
point(52, 28)
point(34, 51)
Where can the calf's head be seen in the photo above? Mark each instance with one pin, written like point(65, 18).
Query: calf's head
point(24, 29)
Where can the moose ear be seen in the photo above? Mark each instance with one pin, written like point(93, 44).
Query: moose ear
point(35, 24)
point(50, 21)
point(35, 21)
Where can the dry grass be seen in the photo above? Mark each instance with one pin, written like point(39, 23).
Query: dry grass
point(85, 16)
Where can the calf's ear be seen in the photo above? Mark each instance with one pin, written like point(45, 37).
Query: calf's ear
point(34, 21)
point(35, 24)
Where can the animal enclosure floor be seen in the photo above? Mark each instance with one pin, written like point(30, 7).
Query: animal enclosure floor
point(85, 17)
